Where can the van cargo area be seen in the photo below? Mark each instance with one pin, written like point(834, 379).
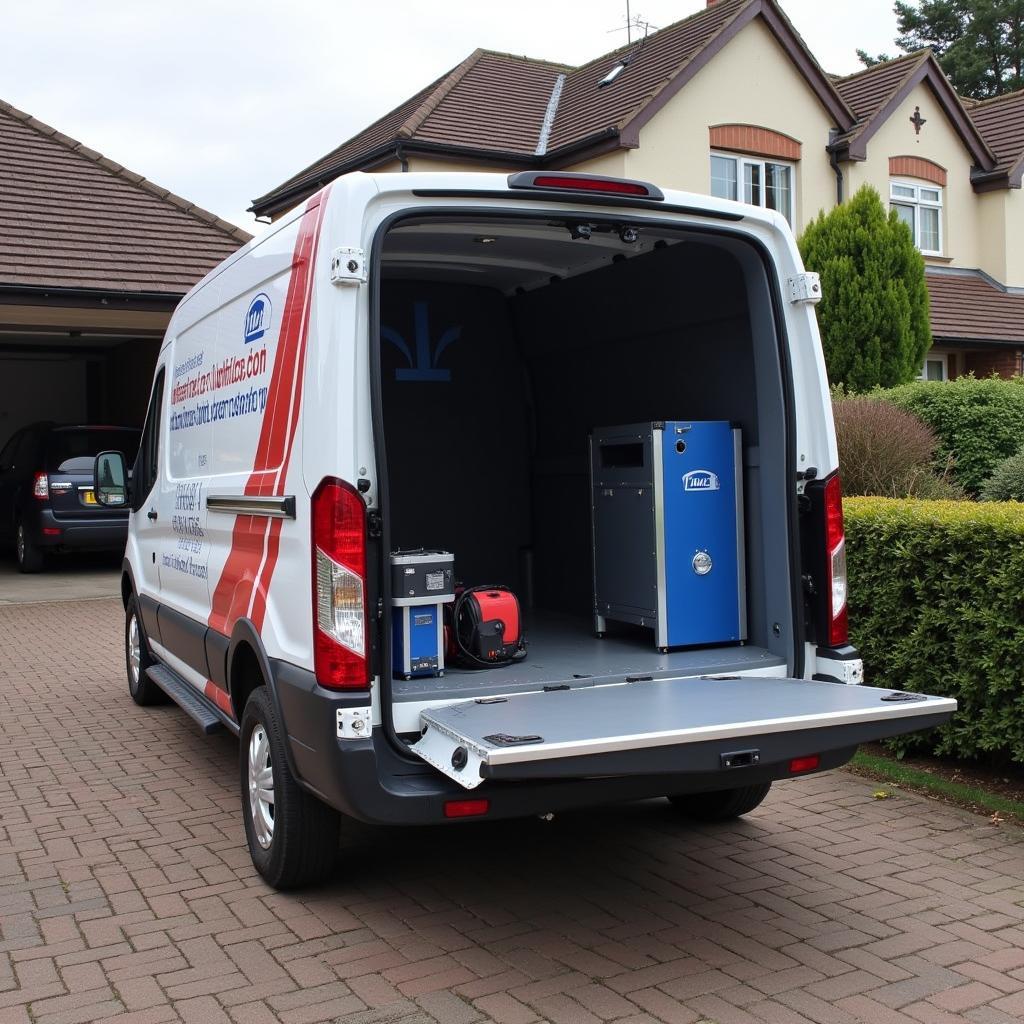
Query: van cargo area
point(504, 344)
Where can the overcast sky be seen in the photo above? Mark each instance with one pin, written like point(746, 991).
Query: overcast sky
point(220, 100)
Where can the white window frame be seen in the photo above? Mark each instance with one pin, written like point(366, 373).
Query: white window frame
point(935, 357)
point(916, 203)
point(742, 161)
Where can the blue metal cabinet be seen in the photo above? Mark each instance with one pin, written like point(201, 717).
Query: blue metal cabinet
point(667, 506)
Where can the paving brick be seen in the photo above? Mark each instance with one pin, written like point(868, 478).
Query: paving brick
point(126, 892)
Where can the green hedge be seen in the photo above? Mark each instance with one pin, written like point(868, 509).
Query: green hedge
point(937, 606)
point(979, 422)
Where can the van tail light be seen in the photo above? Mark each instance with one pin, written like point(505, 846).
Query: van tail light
point(835, 554)
point(809, 763)
point(41, 486)
point(340, 629)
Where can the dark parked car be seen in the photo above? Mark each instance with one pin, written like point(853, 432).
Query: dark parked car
point(47, 501)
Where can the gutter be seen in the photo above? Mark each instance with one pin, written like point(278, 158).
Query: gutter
point(833, 159)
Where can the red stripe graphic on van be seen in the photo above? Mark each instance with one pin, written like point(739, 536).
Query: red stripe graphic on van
point(252, 556)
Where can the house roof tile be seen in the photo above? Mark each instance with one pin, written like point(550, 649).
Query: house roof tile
point(969, 306)
point(72, 218)
point(1001, 121)
point(497, 104)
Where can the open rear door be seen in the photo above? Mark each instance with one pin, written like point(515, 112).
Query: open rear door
point(664, 726)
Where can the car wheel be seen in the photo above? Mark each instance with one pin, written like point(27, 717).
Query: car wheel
point(292, 836)
point(722, 804)
point(30, 558)
point(137, 659)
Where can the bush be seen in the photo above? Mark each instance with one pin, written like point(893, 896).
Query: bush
point(887, 451)
point(873, 312)
point(979, 423)
point(1007, 480)
point(937, 606)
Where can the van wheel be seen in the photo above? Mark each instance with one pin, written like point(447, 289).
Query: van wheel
point(722, 804)
point(292, 836)
point(137, 659)
point(30, 557)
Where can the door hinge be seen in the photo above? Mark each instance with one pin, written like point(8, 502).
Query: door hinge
point(805, 287)
point(348, 265)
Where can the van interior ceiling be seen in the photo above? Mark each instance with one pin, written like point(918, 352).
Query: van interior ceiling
point(504, 343)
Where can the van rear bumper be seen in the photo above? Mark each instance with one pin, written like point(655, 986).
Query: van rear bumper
point(369, 780)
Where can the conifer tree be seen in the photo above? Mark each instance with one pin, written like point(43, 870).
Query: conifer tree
point(873, 313)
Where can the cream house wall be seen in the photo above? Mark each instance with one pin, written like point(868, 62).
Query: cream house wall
point(750, 81)
point(993, 211)
point(1013, 227)
point(940, 143)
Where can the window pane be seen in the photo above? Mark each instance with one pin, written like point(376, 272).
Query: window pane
point(752, 184)
point(929, 219)
point(779, 189)
point(906, 214)
point(930, 195)
point(723, 177)
point(906, 191)
point(934, 369)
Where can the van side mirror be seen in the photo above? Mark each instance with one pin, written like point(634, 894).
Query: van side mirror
point(110, 475)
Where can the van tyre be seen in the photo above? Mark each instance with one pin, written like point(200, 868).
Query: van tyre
point(722, 804)
point(292, 836)
point(137, 659)
point(30, 556)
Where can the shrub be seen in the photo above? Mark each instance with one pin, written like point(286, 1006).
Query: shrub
point(1007, 480)
point(873, 312)
point(936, 606)
point(887, 451)
point(979, 423)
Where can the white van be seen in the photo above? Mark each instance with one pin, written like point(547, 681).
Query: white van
point(429, 362)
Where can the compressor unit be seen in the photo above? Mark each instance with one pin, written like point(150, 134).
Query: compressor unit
point(667, 518)
point(422, 582)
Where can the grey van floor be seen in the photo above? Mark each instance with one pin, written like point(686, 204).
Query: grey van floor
point(564, 650)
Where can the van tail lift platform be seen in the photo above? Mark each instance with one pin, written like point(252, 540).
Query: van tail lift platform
point(664, 725)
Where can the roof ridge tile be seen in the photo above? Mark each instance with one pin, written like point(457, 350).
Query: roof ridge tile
point(408, 128)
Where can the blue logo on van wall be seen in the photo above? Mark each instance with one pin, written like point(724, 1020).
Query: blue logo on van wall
point(701, 480)
point(422, 367)
point(257, 317)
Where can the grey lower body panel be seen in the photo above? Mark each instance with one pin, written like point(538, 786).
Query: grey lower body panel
point(652, 726)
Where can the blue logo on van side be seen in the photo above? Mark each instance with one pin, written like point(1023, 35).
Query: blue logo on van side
point(257, 317)
point(701, 480)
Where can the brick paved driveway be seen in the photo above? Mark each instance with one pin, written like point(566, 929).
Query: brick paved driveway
point(126, 890)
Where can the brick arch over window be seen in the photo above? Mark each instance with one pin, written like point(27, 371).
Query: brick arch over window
point(755, 140)
point(917, 167)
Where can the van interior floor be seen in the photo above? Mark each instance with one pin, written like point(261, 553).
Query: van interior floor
point(563, 651)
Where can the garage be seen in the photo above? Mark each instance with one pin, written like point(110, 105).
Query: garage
point(93, 259)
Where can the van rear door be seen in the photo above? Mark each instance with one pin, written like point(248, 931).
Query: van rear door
point(654, 726)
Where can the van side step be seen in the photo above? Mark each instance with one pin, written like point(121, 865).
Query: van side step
point(186, 698)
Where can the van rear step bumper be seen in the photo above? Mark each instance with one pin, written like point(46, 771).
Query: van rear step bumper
point(663, 726)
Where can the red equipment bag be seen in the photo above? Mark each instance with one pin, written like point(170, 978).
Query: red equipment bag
point(485, 627)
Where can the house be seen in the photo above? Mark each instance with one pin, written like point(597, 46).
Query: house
point(93, 259)
point(731, 102)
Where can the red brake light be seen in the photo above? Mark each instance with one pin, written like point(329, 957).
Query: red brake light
point(466, 808)
point(835, 555)
point(625, 188)
point(41, 486)
point(805, 764)
point(340, 629)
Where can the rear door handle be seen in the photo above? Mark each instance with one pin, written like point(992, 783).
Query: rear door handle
point(151, 514)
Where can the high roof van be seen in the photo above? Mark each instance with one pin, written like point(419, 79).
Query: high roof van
point(592, 412)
